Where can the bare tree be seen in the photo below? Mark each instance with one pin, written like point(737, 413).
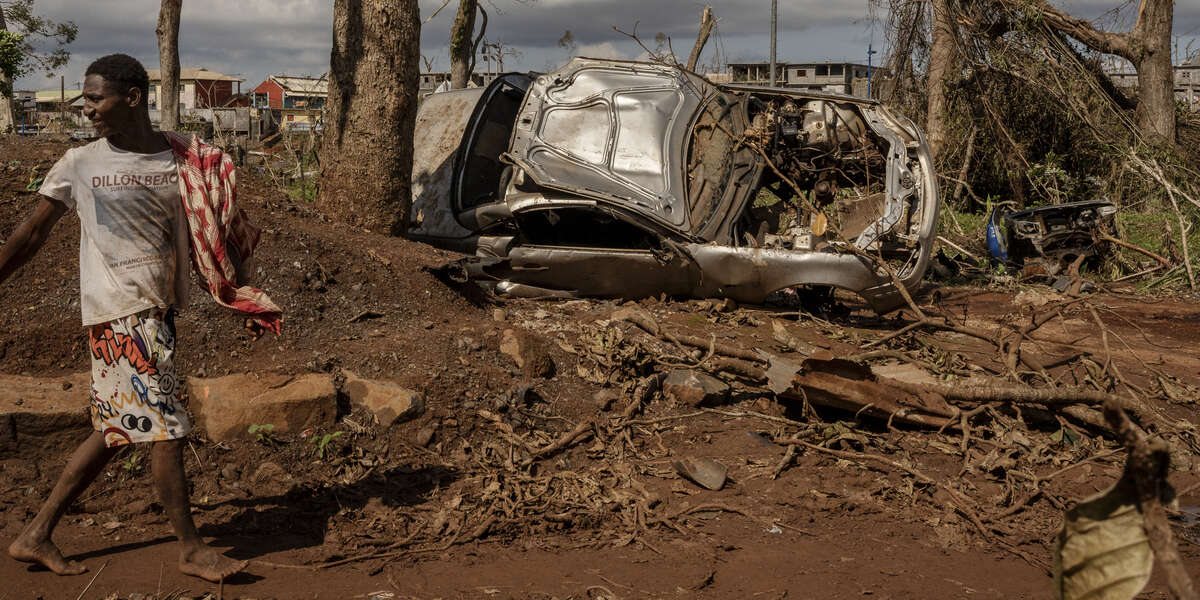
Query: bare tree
point(1147, 46)
point(366, 150)
point(6, 78)
point(941, 59)
point(706, 25)
point(462, 47)
point(168, 63)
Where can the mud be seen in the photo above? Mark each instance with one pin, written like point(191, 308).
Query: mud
point(446, 506)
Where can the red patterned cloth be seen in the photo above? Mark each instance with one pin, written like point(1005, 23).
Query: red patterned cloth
point(222, 238)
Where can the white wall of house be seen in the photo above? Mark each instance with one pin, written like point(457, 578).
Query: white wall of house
point(187, 95)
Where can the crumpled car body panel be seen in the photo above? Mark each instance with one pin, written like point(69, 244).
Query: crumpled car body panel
point(625, 179)
point(1053, 236)
point(612, 131)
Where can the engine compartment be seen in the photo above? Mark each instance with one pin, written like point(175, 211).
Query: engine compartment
point(825, 177)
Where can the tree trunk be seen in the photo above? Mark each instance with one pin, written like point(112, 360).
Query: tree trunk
point(6, 104)
point(366, 153)
point(941, 59)
point(706, 26)
point(1148, 47)
point(462, 50)
point(1156, 76)
point(168, 64)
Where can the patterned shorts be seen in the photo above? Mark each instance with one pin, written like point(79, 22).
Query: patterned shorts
point(135, 393)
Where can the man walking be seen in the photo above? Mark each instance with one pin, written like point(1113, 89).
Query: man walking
point(134, 250)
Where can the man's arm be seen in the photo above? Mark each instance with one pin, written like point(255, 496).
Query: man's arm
point(29, 236)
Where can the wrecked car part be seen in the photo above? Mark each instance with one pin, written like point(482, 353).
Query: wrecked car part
point(627, 179)
point(1048, 238)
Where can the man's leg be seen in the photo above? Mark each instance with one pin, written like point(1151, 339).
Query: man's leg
point(195, 558)
point(34, 545)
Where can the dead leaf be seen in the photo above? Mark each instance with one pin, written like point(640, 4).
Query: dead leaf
point(1103, 552)
point(781, 374)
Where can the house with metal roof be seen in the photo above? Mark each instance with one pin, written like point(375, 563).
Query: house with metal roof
point(295, 101)
point(199, 88)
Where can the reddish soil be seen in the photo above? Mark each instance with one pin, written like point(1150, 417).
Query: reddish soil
point(470, 515)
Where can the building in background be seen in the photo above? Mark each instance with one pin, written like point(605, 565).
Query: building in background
point(439, 81)
point(295, 103)
point(50, 106)
point(1187, 80)
point(835, 77)
point(199, 88)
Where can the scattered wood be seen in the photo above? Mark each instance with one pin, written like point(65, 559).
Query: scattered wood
point(957, 247)
point(581, 432)
point(364, 315)
point(375, 255)
point(1122, 243)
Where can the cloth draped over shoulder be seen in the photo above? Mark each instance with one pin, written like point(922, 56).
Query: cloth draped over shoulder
point(222, 238)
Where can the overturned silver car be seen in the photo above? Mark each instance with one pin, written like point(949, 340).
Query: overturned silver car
point(627, 179)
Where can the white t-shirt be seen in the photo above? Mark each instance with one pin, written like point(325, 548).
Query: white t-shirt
point(133, 242)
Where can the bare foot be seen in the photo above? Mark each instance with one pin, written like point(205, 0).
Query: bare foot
point(206, 563)
point(45, 553)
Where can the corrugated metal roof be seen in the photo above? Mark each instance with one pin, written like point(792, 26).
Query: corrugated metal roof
point(304, 85)
point(193, 74)
point(56, 95)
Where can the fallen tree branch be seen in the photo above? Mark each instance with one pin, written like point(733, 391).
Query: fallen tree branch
point(1112, 240)
point(581, 432)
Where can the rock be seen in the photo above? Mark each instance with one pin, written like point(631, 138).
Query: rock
point(227, 406)
point(605, 398)
point(425, 436)
point(36, 413)
point(388, 401)
point(139, 506)
point(230, 472)
point(695, 388)
point(530, 351)
point(267, 471)
point(499, 315)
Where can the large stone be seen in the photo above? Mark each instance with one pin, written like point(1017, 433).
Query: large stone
point(530, 351)
point(388, 401)
point(227, 406)
point(38, 413)
point(695, 388)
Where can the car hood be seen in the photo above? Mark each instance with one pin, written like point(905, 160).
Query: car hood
point(611, 131)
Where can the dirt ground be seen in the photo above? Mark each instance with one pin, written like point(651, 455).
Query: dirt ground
point(460, 504)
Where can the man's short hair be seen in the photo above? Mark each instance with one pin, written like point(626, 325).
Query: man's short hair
point(122, 72)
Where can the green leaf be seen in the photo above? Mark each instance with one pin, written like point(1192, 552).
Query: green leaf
point(1103, 552)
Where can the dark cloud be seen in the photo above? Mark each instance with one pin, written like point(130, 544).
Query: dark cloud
point(255, 38)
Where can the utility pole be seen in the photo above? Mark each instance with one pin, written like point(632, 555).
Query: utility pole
point(774, 12)
point(870, 51)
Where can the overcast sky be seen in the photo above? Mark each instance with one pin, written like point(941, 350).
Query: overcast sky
point(256, 38)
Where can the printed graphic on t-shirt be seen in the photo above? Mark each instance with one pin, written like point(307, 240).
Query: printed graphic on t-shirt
point(129, 207)
point(132, 235)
